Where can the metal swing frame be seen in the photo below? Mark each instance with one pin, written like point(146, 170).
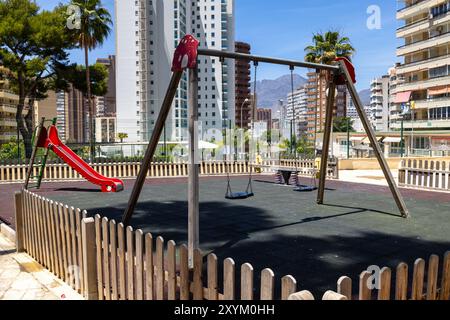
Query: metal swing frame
point(186, 56)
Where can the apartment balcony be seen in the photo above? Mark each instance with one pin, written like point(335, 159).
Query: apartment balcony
point(424, 64)
point(433, 103)
point(7, 136)
point(423, 85)
point(6, 94)
point(8, 109)
point(420, 6)
point(416, 26)
point(421, 125)
point(424, 44)
point(10, 122)
point(422, 25)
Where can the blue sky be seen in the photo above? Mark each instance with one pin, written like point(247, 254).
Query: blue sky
point(283, 28)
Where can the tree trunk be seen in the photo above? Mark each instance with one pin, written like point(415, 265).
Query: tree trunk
point(90, 106)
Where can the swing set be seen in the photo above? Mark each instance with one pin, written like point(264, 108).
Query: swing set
point(186, 56)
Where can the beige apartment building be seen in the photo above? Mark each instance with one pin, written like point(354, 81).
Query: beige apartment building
point(316, 92)
point(422, 93)
point(8, 107)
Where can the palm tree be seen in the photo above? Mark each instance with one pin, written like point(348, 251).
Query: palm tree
point(122, 136)
point(325, 49)
point(94, 29)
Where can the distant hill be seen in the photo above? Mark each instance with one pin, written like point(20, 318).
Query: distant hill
point(269, 92)
point(365, 96)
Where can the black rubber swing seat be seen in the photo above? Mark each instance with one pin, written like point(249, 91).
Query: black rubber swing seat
point(239, 195)
point(305, 189)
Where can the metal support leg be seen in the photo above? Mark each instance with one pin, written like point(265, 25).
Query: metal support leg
point(376, 147)
point(194, 167)
point(34, 153)
point(159, 126)
point(326, 139)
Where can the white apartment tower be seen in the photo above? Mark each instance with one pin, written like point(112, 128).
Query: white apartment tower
point(379, 103)
point(148, 32)
point(296, 108)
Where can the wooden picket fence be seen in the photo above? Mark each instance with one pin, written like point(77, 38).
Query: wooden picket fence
point(103, 260)
point(50, 232)
point(423, 174)
point(420, 284)
point(134, 266)
point(122, 170)
point(130, 170)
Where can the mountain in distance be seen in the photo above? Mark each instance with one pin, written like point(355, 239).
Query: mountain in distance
point(269, 92)
point(365, 96)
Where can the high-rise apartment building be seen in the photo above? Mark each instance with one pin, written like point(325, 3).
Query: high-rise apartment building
point(424, 76)
point(243, 87)
point(264, 115)
point(8, 109)
point(62, 115)
point(105, 106)
point(316, 90)
point(105, 129)
point(379, 102)
point(77, 116)
point(297, 109)
point(148, 32)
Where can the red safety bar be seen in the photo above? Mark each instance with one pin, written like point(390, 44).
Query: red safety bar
point(351, 71)
point(186, 54)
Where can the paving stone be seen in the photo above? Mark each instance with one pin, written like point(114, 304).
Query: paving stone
point(19, 281)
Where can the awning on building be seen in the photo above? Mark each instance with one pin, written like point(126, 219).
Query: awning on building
point(403, 97)
point(392, 140)
point(366, 139)
point(359, 139)
point(439, 90)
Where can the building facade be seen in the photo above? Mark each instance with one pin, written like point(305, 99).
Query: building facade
point(77, 116)
point(105, 129)
point(297, 110)
point(265, 115)
point(379, 102)
point(316, 91)
point(147, 35)
point(8, 109)
point(105, 106)
point(243, 87)
point(422, 96)
point(62, 115)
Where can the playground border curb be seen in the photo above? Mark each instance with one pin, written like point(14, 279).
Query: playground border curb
point(8, 232)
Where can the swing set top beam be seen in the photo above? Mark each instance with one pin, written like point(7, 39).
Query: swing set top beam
point(249, 57)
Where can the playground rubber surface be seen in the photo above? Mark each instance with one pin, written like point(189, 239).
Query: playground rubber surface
point(359, 226)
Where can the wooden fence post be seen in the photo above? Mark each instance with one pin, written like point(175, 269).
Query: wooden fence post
point(89, 259)
point(331, 295)
point(345, 287)
point(303, 295)
point(445, 287)
point(20, 245)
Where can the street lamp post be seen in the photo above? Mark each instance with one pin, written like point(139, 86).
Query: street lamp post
point(348, 137)
point(242, 109)
point(402, 140)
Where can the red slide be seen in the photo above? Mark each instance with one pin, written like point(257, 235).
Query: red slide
point(79, 165)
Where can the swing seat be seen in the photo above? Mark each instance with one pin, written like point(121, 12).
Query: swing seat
point(239, 195)
point(305, 188)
